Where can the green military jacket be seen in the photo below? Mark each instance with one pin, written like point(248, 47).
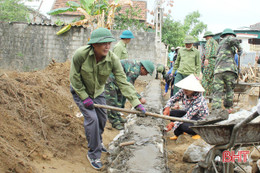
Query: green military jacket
point(188, 62)
point(132, 71)
point(225, 55)
point(211, 49)
point(88, 78)
point(120, 50)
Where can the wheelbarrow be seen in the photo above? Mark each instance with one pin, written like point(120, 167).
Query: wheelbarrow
point(226, 137)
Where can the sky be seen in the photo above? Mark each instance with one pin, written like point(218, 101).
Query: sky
point(219, 14)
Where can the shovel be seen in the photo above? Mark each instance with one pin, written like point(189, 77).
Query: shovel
point(146, 113)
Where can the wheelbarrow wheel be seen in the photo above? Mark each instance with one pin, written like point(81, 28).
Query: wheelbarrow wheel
point(217, 164)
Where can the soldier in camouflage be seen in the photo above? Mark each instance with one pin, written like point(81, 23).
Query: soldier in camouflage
point(114, 97)
point(209, 63)
point(226, 72)
point(160, 69)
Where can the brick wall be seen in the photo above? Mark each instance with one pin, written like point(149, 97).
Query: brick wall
point(27, 47)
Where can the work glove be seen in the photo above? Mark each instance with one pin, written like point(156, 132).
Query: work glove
point(258, 108)
point(166, 111)
point(88, 103)
point(141, 108)
point(169, 126)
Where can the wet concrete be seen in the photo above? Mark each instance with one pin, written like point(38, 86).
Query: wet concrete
point(147, 153)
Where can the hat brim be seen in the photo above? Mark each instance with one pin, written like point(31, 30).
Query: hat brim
point(190, 83)
point(126, 36)
point(106, 40)
point(207, 36)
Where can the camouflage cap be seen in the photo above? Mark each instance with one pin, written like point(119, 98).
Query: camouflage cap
point(148, 65)
point(228, 31)
point(208, 33)
point(101, 35)
point(189, 39)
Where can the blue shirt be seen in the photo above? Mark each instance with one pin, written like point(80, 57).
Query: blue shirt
point(171, 55)
point(236, 59)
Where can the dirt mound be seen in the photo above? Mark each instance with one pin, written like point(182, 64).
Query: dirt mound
point(37, 117)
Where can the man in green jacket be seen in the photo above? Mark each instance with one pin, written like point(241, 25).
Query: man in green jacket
point(188, 62)
point(90, 67)
point(120, 48)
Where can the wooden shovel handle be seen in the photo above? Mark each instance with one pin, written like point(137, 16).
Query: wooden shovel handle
point(147, 113)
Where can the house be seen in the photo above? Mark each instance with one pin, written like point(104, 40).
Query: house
point(250, 39)
point(38, 10)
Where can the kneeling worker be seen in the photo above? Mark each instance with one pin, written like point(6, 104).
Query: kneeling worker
point(195, 106)
point(114, 97)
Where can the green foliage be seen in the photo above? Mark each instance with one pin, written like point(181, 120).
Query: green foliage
point(13, 11)
point(61, 10)
point(128, 19)
point(174, 32)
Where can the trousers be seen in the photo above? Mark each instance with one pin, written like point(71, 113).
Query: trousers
point(94, 123)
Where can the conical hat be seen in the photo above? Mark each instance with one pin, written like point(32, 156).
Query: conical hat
point(190, 83)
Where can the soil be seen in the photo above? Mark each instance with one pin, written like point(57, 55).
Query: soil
point(40, 131)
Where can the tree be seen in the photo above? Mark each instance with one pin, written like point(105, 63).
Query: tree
point(128, 19)
point(13, 11)
point(174, 32)
point(96, 13)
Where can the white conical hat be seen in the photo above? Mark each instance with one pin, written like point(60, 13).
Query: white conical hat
point(190, 83)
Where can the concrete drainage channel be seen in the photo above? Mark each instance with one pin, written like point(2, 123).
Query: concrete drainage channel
point(140, 147)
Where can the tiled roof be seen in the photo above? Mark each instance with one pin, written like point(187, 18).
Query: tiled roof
point(140, 4)
point(255, 26)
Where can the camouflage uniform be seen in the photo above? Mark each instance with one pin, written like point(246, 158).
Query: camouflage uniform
point(208, 72)
point(113, 94)
point(226, 72)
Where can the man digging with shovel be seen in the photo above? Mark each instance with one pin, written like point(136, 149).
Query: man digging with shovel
point(90, 67)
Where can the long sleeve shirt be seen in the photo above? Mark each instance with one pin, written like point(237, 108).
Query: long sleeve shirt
point(211, 49)
point(88, 78)
point(120, 50)
point(225, 55)
point(188, 62)
point(132, 71)
point(195, 106)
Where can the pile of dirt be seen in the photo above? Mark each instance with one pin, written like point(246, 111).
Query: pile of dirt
point(37, 117)
point(39, 130)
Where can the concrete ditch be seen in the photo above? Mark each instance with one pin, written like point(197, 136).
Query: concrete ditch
point(145, 134)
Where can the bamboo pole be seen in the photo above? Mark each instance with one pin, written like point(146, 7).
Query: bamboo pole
point(147, 113)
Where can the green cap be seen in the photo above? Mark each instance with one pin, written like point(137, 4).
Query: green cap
point(160, 69)
point(189, 39)
point(148, 65)
point(208, 33)
point(228, 31)
point(127, 34)
point(101, 35)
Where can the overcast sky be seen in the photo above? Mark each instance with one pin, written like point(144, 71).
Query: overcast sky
point(219, 14)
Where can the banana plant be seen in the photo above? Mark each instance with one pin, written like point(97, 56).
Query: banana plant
point(94, 13)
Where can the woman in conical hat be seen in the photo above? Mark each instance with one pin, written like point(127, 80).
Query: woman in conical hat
point(195, 106)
